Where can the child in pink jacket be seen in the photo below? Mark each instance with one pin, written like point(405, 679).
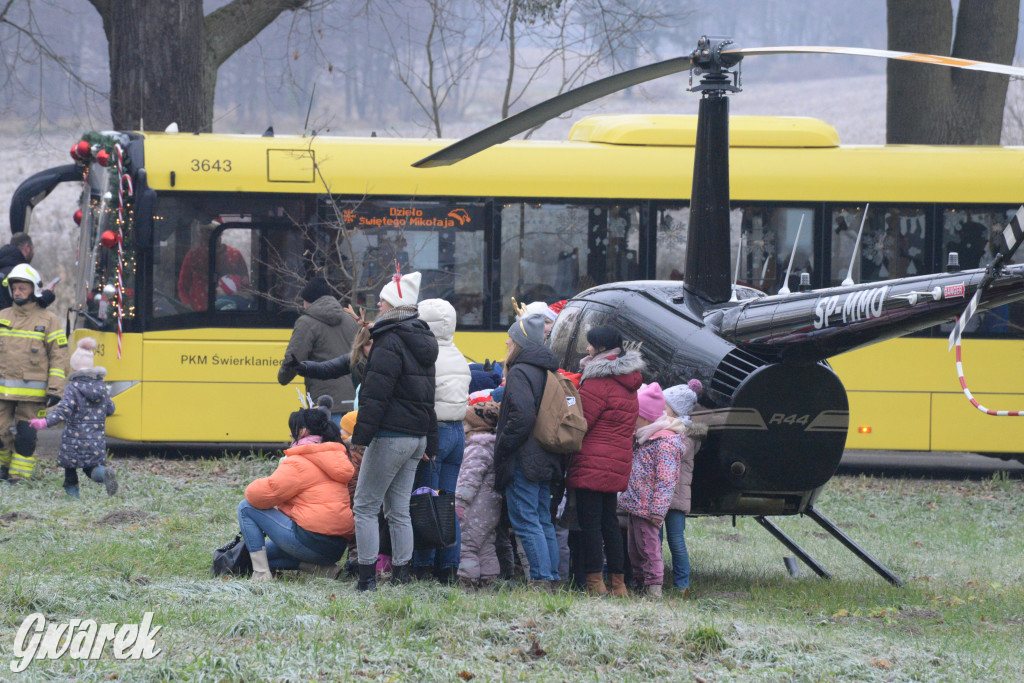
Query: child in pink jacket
point(659, 449)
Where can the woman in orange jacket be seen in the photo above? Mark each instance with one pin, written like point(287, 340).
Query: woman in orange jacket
point(300, 517)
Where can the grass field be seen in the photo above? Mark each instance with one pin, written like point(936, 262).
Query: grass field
point(960, 617)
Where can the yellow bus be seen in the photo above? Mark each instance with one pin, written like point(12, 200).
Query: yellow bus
point(219, 233)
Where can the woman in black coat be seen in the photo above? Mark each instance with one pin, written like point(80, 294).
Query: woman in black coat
point(523, 469)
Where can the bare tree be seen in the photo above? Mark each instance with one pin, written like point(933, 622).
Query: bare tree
point(930, 105)
point(572, 40)
point(164, 56)
point(436, 49)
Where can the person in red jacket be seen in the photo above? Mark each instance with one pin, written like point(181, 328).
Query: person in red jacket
point(611, 378)
point(300, 517)
point(229, 268)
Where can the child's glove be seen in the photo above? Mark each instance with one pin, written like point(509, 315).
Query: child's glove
point(460, 512)
point(38, 423)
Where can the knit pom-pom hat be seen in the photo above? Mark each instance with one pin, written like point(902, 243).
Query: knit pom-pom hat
point(83, 357)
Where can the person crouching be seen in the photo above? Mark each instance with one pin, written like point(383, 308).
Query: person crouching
point(477, 504)
point(652, 480)
point(84, 407)
point(300, 516)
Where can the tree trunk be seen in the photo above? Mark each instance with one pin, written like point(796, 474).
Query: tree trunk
point(164, 56)
point(156, 64)
point(927, 104)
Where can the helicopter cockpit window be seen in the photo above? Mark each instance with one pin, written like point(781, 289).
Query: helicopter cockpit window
point(565, 325)
point(974, 234)
point(892, 245)
point(594, 315)
point(550, 251)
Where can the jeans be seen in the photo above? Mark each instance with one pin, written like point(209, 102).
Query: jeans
point(284, 550)
point(675, 530)
point(444, 475)
point(600, 528)
point(529, 509)
point(385, 476)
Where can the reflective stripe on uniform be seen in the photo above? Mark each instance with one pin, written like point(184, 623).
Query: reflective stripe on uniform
point(5, 458)
point(56, 372)
point(54, 335)
point(22, 465)
point(17, 387)
point(31, 334)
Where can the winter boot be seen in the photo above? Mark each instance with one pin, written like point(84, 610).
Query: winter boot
point(619, 585)
point(401, 574)
point(5, 465)
point(595, 584)
point(421, 572)
point(323, 571)
point(5, 474)
point(367, 577)
point(260, 566)
point(71, 491)
point(447, 576)
point(467, 584)
point(654, 591)
point(101, 474)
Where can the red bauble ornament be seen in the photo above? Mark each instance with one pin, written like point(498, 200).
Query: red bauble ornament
point(77, 217)
point(108, 239)
point(81, 151)
point(103, 157)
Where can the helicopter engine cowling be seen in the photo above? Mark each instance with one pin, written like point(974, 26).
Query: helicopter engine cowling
point(779, 439)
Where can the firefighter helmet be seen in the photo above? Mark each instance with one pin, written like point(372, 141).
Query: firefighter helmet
point(25, 273)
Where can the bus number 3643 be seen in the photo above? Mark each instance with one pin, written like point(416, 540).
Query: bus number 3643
point(206, 165)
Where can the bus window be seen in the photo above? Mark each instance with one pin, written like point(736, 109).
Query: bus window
point(893, 245)
point(550, 251)
point(974, 233)
point(98, 283)
point(253, 247)
point(673, 227)
point(767, 237)
point(443, 241)
point(766, 232)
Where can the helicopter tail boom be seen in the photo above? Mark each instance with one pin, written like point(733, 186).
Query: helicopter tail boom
point(812, 326)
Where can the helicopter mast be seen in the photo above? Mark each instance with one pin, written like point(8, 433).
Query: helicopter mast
point(707, 253)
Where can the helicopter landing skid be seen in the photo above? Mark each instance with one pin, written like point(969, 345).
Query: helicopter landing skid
point(836, 533)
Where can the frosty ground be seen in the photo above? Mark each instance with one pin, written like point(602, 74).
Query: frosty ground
point(957, 546)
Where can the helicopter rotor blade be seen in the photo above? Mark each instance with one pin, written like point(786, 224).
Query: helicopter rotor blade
point(939, 60)
point(560, 104)
point(549, 109)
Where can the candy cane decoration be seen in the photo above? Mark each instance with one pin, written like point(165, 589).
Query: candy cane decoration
point(122, 180)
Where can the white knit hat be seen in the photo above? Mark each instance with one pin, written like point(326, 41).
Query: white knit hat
point(82, 358)
point(533, 308)
point(409, 286)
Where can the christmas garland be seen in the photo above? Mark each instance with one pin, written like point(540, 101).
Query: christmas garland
point(107, 151)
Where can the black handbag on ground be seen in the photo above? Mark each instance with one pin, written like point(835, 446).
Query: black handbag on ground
point(433, 520)
point(232, 559)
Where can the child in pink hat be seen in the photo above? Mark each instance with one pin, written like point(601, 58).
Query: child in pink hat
point(652, 480)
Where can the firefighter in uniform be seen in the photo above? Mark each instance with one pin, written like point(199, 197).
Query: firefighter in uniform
point(33, 362)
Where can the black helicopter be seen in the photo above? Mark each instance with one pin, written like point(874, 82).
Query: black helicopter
point(777, 413)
